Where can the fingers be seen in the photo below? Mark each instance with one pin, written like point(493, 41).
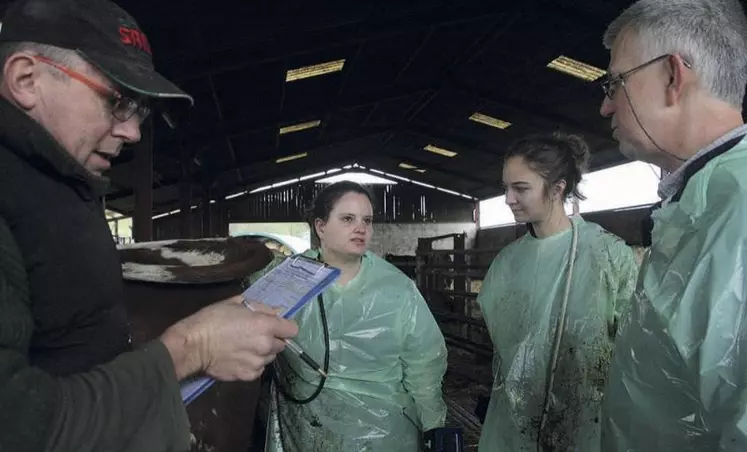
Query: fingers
point(246, 373)
point(241, 342)
point(278, 327)
point(258, 306)
point(249, 368)
point(256, 363)
point(267, 346)
point(277, 346)
point(261, 320)
point(285, 329)
point(237, 299)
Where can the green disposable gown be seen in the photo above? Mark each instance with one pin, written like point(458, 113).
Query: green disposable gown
point(521, 298)
point(678, 381)
point(386, 364)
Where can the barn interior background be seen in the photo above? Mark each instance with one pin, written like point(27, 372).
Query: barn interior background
point(418, 99)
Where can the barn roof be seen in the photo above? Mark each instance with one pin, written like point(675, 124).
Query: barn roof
point(403, 78)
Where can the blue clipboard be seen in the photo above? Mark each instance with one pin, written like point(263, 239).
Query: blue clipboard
point(318, 276)
point(288, 287)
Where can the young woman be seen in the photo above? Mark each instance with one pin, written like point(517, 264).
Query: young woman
point(551, 301)
point(375, 335)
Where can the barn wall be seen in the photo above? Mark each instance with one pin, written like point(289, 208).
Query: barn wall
point(625, 223)
point(393, 204)
point(402, 238)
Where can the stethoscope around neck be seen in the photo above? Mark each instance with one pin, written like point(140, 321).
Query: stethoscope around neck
point(558, 337)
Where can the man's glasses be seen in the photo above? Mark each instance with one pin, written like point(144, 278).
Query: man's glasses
point(609, 86)
point(122, 107)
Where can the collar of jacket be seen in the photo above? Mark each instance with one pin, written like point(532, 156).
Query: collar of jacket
point(26, 138)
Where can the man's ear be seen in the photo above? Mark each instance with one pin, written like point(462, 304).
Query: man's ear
point(677, 69)
point(20, 80)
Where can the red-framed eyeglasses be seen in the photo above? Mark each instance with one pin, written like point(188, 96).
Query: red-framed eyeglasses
point(122, 107)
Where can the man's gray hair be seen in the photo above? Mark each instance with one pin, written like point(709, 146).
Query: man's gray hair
point(709, 34)
point(57, 54)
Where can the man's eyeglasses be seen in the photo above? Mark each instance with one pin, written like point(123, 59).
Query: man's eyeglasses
point(609, 86)
point(122, 107)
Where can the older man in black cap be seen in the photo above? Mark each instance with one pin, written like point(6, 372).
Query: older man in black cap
point(77, 82)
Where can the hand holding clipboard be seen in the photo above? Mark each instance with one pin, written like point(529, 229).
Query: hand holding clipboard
point(286, 288)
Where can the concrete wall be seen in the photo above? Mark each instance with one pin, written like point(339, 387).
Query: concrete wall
point(297, 229)
point(402, 238)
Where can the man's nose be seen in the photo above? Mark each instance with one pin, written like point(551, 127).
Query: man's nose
point(607, 108)
point(128, 131)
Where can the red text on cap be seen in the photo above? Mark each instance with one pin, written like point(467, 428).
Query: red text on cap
point(134, 37)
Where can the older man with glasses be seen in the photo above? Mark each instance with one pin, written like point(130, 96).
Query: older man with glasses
point(77, 82)
point(678, 380)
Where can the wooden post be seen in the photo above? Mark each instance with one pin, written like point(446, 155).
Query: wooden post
point(142, 219)
point(205, 210)
point(185, 197)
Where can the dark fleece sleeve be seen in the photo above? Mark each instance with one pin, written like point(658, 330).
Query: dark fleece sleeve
point(129, 404)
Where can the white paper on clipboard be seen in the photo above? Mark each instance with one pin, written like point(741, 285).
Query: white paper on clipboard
point(292, 284)
point(288, 287)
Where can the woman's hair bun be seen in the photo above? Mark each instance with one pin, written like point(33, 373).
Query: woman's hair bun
point(578, 147)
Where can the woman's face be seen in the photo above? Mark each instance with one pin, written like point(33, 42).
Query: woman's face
point(348, 230)
point(525, 192)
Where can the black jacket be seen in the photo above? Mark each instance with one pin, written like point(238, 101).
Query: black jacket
point(68, 378)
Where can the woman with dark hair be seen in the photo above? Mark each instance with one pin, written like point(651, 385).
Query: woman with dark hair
point(377, 340)
point(551, 301)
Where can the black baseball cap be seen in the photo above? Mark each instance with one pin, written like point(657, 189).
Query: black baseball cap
point(102, 33)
